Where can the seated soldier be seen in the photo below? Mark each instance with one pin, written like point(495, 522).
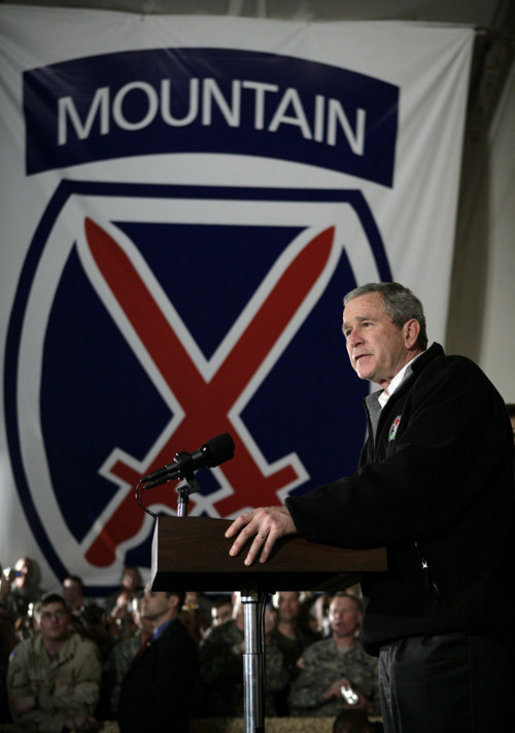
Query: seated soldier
point(20, 588)
point(125, 650)
point(221, 666)
point(291, 638)
point(335, 663)
point(53, 679)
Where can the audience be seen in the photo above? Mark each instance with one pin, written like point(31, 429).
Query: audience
point(335, 663)
point(137, 644)
point(53, 680)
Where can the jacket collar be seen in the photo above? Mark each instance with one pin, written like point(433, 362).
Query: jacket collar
point(415, 368)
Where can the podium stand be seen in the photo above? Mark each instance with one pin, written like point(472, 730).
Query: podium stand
point(191, 553)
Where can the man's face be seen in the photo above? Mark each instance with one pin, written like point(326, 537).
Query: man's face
point(72, 593)
point(131, 579)
point(289, 606)
point(344, 617)
point(53, 622)
point(155, 605)
point(222, 613)
point(377, 349)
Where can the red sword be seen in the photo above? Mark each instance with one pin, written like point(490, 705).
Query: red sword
point(206, 404)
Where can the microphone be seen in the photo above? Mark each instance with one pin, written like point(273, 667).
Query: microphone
point(212, 453)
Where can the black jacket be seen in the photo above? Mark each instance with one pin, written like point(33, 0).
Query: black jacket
point(435, 485)
point(156, 692)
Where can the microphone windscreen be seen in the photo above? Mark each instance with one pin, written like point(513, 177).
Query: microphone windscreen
point(218, 450)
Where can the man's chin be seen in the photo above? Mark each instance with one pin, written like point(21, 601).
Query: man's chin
point(364, 374)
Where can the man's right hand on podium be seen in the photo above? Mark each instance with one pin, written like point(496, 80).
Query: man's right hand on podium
point(266, 525)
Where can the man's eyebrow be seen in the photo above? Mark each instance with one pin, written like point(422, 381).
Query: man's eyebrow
point(360, 319)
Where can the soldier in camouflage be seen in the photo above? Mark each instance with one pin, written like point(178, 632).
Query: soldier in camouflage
point(124, 652)
point(53, 680)
point(291, 638)
point(333, 663)
point(221, 667)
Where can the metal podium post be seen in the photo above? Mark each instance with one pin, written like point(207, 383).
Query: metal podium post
point(253, 663)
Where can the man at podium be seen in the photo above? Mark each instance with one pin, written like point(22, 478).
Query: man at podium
point(435, 485)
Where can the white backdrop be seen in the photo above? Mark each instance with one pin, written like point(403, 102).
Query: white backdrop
point(414, 213)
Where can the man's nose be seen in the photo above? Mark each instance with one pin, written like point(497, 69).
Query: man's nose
point(354, 337)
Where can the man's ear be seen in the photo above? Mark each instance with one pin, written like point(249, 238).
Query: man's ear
point(411, 331)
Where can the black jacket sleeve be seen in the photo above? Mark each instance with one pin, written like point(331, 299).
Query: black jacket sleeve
point(449, 452)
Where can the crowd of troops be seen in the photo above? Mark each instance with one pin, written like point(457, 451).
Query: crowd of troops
point(153, 660)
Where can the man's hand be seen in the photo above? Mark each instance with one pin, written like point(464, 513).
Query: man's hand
point(335, 692)
point(335, 689)
point(267, 524)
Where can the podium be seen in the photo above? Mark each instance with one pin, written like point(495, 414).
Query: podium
point(191, 553)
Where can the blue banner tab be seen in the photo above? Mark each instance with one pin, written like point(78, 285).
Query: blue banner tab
point(210, 101)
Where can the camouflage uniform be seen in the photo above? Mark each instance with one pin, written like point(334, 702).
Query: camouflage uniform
point(221, 671)
point(120, 659)
point(325, 663)
point(64, 685)
point(292, 649)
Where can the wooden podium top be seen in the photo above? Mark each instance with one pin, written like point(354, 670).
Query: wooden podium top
point(191, 553)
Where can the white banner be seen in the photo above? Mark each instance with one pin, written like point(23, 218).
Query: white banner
point(185, 201)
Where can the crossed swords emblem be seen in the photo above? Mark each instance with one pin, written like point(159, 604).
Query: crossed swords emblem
point(206, 402)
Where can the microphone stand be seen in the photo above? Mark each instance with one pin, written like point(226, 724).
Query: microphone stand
point(184, 492)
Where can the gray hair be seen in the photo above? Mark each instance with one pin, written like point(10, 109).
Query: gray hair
point(398, 302)
point(355, 599)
